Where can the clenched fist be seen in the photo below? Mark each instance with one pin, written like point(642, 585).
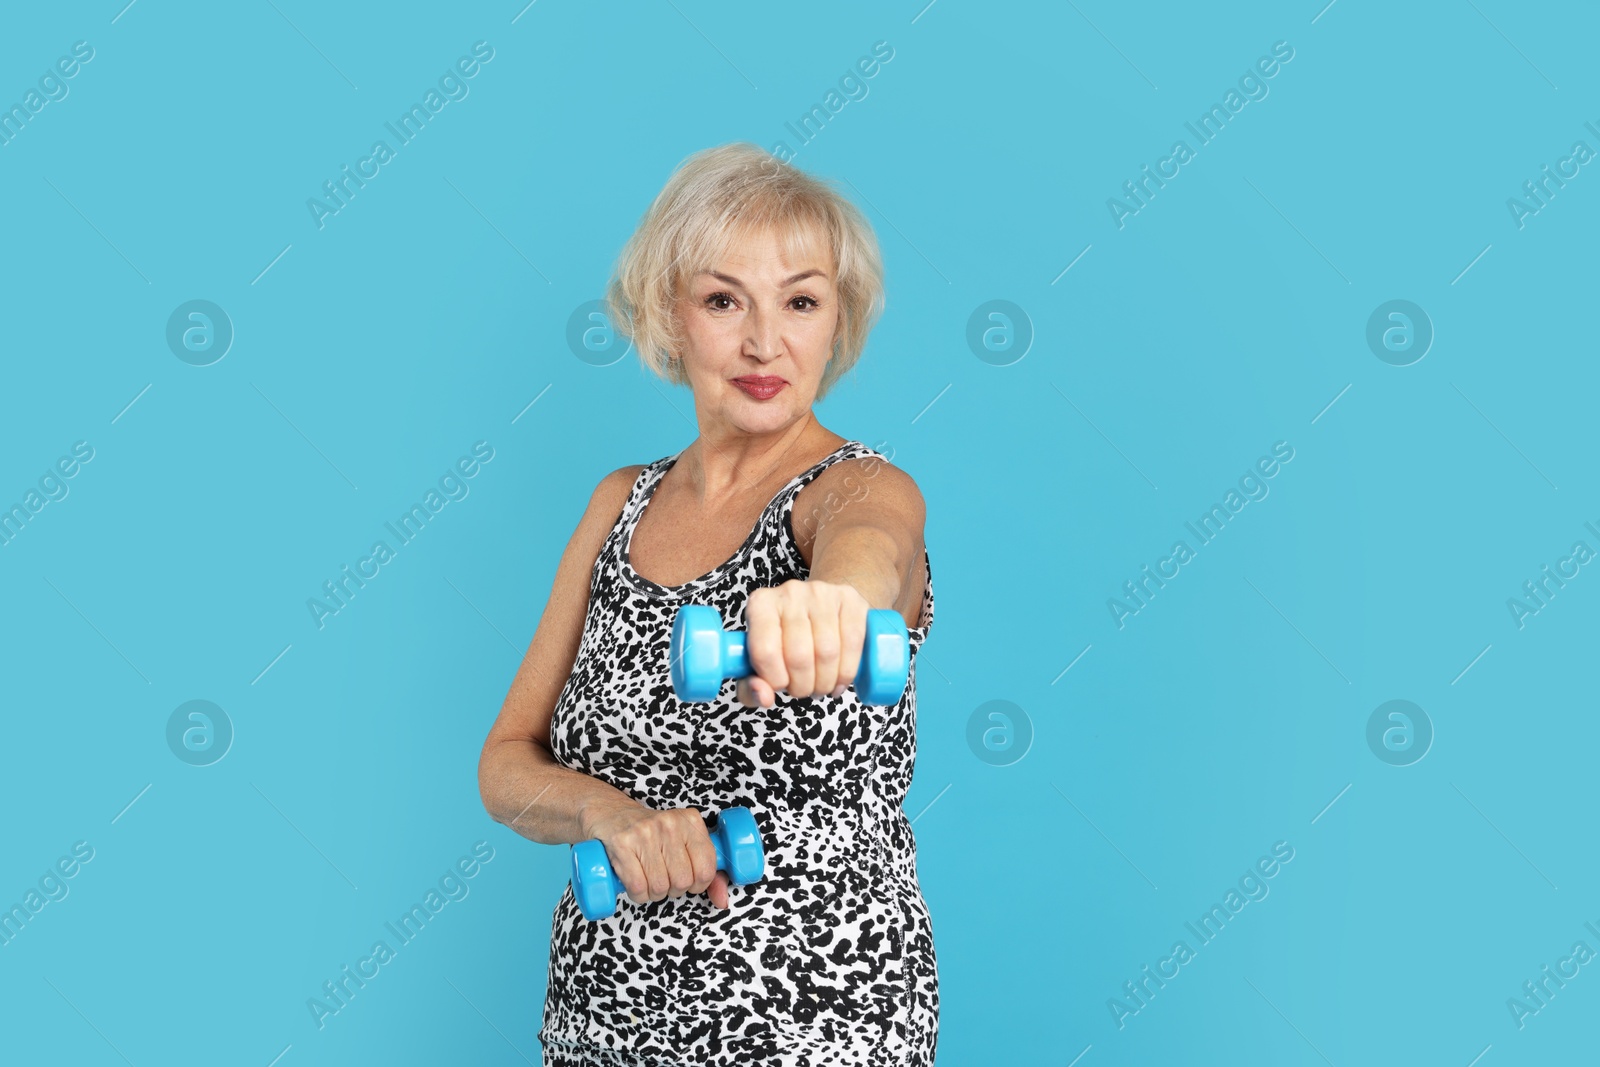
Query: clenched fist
point(803, 637)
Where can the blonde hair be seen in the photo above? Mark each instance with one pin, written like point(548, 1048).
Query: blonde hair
point(715, 197)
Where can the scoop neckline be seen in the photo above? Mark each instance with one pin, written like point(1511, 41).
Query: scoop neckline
point(670, 591)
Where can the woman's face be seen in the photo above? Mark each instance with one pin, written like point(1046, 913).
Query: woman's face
point(759, 331)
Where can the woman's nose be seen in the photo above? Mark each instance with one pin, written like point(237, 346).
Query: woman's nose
point(762, 339)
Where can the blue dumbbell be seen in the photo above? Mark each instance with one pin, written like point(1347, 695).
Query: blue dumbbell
point(703, 654)
point(733, 835)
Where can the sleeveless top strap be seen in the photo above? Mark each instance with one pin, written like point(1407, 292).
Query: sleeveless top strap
point(784, 501)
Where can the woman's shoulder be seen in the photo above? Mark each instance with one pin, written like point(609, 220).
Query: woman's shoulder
point(621, 480)
point(607, 500)
point(861, 469)
point(865, 481)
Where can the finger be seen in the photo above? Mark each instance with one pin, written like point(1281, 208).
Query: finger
point(656, 869)
point(825, 643)
point(680, 869)
point(799, 652)
point(719, 890)
point(703, 855)
point(763, 639)
point(628, 868)
point(852, 639)
point(685, 865)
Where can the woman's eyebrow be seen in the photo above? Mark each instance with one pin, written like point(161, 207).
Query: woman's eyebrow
point(731, 280)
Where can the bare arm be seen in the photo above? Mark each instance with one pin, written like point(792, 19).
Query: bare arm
point(519, 779)
point(873, 541)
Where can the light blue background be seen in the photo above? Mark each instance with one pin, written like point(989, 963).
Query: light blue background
point(1227, 315)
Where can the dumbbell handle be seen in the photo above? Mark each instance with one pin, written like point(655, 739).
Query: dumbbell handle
point(737, 661)
point(593, 878)
point(734, 838)
point(735, 657)
point(703, 654)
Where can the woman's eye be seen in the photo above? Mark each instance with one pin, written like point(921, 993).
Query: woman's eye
point(722, 302)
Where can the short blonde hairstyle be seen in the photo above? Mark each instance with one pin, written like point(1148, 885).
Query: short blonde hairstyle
point(715, 197)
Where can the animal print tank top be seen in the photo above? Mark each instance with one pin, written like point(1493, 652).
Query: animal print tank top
point(829, 958)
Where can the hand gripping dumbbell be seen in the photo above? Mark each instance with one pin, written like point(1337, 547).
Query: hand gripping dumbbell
point(703, 655)
point(734, 837)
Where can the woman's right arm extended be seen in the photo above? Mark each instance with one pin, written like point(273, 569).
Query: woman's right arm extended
point(521, 783)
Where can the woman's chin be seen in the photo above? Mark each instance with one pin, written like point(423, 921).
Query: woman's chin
point(759, 416)
point(762, 422)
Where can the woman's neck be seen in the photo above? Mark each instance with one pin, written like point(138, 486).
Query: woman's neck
point(740, 463)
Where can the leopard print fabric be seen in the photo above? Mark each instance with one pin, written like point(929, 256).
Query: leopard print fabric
point(828, 960)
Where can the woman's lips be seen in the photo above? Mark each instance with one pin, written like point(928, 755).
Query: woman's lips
point(761, 388)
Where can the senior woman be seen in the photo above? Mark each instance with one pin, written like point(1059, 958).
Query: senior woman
point(755, 285)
